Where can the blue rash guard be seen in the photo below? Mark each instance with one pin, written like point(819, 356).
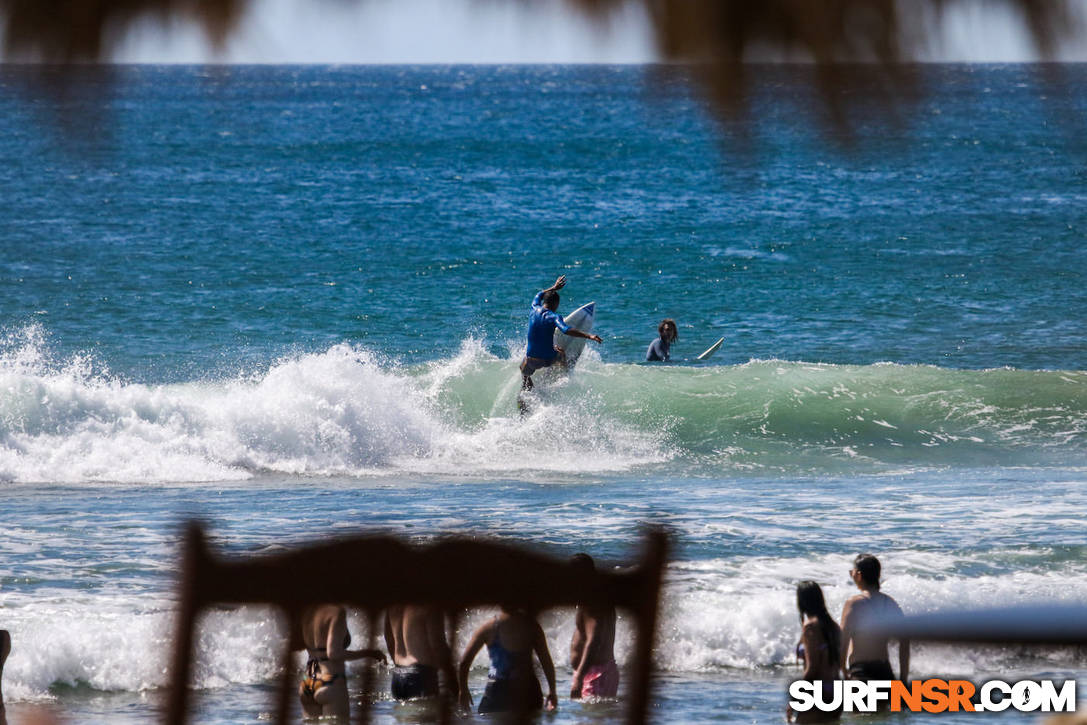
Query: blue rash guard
point(541, 330)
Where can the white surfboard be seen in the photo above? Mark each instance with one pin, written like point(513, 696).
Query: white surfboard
point(710, 350)
point(580, 319)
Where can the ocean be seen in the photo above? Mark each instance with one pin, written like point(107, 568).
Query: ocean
point(291, 301)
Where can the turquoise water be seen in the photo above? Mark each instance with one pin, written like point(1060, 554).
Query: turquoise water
point(291, 301)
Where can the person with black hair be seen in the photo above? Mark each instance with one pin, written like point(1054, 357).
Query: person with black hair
point(660, 349)
point(819, 648)
point(864, 655)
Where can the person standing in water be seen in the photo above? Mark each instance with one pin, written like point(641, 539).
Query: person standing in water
point(325, 637)
point(819, 648)
point(865, 655)
point(415, 637)
point(542, 321)
point(511, 639)
point(659, 350)
point(592, 648)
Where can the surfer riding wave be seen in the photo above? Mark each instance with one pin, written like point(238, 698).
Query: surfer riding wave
point(542, 321)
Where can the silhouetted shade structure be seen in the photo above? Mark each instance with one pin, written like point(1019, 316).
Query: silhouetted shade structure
point(374, 572)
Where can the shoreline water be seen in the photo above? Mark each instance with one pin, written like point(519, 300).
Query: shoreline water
point(728, 602)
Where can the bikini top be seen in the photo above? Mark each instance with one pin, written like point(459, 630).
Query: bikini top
point(346, 644)
point(800, 649)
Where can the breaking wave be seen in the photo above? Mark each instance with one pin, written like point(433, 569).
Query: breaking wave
point(346, 411)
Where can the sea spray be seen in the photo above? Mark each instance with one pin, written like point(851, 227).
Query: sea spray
point(343, 411)
point(347, 411)
point(716, 615)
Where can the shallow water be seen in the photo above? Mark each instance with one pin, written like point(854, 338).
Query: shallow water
point(89, 589)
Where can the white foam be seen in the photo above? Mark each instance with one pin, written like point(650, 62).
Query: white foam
point(125, 644)
point(720, 613)
point(712, 619)
point(339, 412)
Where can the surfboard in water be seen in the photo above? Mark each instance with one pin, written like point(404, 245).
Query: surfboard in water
point(580, 319)
point(710, 350)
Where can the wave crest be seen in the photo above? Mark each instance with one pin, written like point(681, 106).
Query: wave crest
point(344, 411)
point(348, 412)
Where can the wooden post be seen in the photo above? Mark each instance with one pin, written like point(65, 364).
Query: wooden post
point(194, 559)
point(653, 562)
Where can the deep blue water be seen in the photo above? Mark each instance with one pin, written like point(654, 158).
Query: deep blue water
point(211, 216)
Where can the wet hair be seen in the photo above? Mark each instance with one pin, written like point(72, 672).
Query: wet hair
point(810, 602)
point(869, 569)
point(551, 299)
point(665, 322)
point(583, 562)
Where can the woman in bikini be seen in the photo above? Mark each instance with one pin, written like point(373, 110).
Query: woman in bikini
point(511, 638)
point(819, 648)
point(325, 637)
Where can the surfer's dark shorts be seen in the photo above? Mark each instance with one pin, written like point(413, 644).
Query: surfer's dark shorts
point(531, 364)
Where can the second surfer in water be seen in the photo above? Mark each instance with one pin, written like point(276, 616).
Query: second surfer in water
point(660, 349)
point(542, 321)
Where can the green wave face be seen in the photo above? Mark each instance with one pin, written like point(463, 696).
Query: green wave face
point(774, 416)
point(346, 411)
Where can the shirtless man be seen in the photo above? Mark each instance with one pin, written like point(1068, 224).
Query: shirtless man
point(592, 648)
point(415, 637)
point(866, 656)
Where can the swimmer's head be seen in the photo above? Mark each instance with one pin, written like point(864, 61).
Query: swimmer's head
point(867, 568)
point(551, 300)
point(667, 330)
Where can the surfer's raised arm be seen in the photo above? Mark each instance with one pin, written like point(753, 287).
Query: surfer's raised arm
point(543, 321)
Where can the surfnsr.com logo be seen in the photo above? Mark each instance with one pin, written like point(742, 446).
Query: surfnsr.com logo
point(934, 696)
